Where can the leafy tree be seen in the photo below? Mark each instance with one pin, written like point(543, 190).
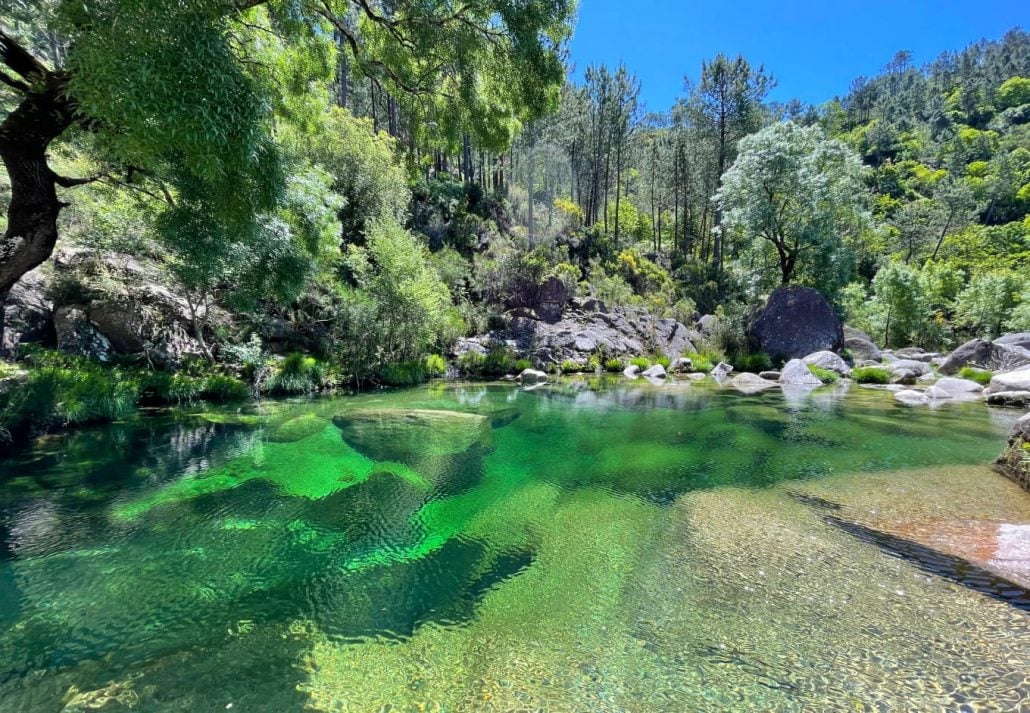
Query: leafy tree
point(986, 302)
point(798, 193)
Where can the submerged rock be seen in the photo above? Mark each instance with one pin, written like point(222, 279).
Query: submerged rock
point(796, 321)
point(297, 428)
point(751, 383)
point(796, 373)
point(911, 397)
point(408, 435)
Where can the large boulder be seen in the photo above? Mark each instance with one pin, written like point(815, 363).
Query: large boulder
point(1020, 339)
point(830, 361)
point(796, 321)
point(860, 345)
point(126, 303)
point(958, 386)
point(531, 376)
point(796, 373)
point(655, 372)
point(993, 356)
point(28, 314)
point(1015, 459)
point(1018, 380)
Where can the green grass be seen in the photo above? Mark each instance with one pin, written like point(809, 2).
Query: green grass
point(980, 376)
point(436, 366)
point(522, 364)
point(753, 362)
point(642, 362)
point(701, 362)
point(871, 375)
point(295, 374)
point(613, 365)
point(572, 367)
point(825, 375)
point(664, 361)
point(404, 373)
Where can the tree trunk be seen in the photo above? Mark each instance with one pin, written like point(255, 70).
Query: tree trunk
point(25, 135)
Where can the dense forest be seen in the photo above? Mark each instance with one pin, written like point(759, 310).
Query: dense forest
point(340, 190)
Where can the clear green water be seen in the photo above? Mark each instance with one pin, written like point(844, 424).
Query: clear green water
point(584, 546)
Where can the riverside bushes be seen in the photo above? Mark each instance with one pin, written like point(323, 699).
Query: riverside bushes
point(870, 375)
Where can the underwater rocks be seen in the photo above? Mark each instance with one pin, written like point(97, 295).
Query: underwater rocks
point(408, 435)
point(751, 384)
point(297, 428)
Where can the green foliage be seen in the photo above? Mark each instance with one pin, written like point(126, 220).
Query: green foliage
point(703, 363)
point(752, 362)
point(871, 375)
point(224, 389)
point(399, 309)
point(796, 198)
point(572, 367)
point(642, 362)
point(294, 374)
point(613, 365)
point(983, 307)
point(521, 365)
point(663, 361)
point(436, 366)
point(404, 373)
point(500, 361)
point(824, 375)
point(980, 376)
point(471, 363)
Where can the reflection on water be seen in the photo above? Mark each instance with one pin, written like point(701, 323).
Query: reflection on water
point(587, 545)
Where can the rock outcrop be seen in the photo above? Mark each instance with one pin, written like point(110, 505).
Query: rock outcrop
point(1015, 459)
point(999, 355)
point(588, 327)
point(1017, 381)
point(860, 345)
point(28, 314)
point(830, 361)
point(795, 322)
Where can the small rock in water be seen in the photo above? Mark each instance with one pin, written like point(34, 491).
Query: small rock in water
point(632, 371)
point(655, 372)
point(722, 370)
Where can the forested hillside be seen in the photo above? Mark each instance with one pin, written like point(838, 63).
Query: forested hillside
point(358, 186)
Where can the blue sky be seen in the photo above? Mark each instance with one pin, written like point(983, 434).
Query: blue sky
point(814, 49)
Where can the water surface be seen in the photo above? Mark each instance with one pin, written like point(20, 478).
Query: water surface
point(588, 545)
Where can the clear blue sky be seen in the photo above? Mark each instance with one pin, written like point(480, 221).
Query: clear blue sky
point(814, 49)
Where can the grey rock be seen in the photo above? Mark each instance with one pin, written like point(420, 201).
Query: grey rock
point(904, 376)
point(532, 376)
point(918, 368)
point(954, 385)
point(937, 394)
point(796, 373)
point(708, 324)
point(911, 397)
point(1020, 339)
point(721, 370)
point(77, 335)
point(770, 375)
point(28, 314)
point(1018, 380)
point(632, 371)
point(993, 356)
point(1009, 398)
point(655, 372)
point(682, 365)
point(1013, 461)
point(751, 383)
point(796, 321)
point(828, 360)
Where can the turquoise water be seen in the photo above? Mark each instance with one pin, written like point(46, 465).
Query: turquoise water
point(588, 545)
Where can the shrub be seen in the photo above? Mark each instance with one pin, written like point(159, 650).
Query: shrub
point(471, 363)
point(224, 389)
point(664, 361)
point(980, 376)
point(522, 364)
point(404, 373)
point(871, 375)
point(295, 374)
point(641, 362)
point(571, 367)
point(753, 362)
point(593, 363)
point(162, 388)
point(436, 366)
point(613, 365)
point(499, 361)
point(701, 362)
point(825, 375)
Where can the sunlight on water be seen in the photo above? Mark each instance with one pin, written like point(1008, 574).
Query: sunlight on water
point(590, 545)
